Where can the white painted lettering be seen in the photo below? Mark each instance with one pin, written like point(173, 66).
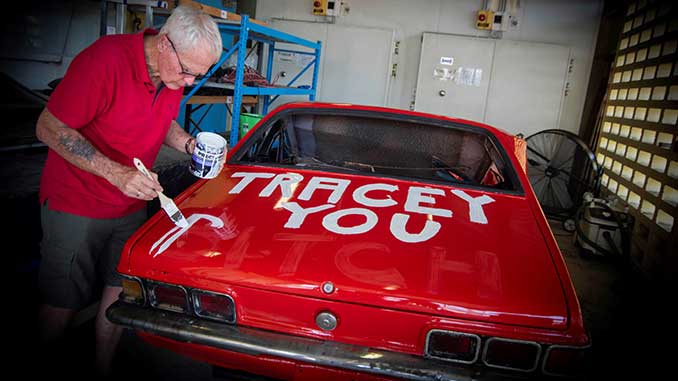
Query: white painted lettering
point(475, 205)
point(359, 195)
point(337, 186)
point(331, 221)
point(247, 178)
point(398, 223)
point(420, 200)
point(418, 195)
point(286, 182)
point(173, 234)
point(299, 214)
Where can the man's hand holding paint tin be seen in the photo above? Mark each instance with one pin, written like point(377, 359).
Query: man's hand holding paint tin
point(136, 185)
point(208, 156)
point(189, 146)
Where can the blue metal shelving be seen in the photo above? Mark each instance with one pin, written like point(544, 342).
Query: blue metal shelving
point(247, 30)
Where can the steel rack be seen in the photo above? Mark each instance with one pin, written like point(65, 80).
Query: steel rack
point(246, 30)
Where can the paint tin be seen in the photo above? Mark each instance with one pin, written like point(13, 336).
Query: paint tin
point(208, 156)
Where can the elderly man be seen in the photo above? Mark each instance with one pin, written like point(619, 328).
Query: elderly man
point(117, 101)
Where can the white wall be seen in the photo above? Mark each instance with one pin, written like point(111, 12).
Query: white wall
point(84, 30)
point(573, 23)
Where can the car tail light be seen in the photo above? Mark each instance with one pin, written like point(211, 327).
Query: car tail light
point(214, 306)
point(132, 291)
point(564, 360)
point(511, 354)
point(453, 346)
point(167, 297)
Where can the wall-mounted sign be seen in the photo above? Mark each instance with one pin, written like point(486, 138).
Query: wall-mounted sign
point(443, 74)
point(447, 61)
point(468, 76)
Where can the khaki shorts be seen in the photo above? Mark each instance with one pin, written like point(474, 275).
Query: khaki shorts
point(80, 254)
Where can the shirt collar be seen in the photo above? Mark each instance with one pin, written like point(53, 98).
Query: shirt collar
point(141, 69)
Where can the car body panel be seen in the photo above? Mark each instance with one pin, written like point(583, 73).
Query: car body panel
point(403, 256)
point(470, 270)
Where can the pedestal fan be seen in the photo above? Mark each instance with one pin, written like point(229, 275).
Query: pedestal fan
point(561, 168)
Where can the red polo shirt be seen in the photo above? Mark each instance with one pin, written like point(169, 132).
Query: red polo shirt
point(107, 95)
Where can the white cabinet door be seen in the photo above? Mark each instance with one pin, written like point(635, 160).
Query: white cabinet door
point(357, 65)
point(290, 64)
point(355, 62)
point(514, 85)
point(454, 75)
point(527, 87)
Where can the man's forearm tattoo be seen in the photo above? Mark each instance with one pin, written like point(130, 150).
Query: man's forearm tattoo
point(77, 146)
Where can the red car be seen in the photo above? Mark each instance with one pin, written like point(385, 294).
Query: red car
point(354, 242)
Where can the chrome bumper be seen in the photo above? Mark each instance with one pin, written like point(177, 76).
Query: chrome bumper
point(258, 342)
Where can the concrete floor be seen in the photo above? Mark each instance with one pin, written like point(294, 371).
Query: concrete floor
point(630, 319)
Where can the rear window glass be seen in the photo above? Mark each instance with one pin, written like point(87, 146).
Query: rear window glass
point(380, 146)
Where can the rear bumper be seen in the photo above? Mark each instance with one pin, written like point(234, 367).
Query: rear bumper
point(251, 341)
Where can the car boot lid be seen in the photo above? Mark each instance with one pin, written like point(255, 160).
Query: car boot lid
point(438, 249)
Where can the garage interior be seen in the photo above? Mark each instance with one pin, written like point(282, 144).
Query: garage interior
point(598, 77)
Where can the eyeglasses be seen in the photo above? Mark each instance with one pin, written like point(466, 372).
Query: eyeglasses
point(183, 68)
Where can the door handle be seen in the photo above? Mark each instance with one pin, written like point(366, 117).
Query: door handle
point(442, 93)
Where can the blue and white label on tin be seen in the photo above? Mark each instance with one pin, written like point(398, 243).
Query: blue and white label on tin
point(208, 156)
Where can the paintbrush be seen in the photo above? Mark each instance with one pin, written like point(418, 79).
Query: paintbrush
point(165, 202)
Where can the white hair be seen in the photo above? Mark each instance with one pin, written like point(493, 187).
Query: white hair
point(188, 27)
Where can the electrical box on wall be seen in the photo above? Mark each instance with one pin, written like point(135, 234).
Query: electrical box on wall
point(326, 7)
point(500, 21)
point(500, 16)
point(332, 8)
point(484, 20)
point(320, 7)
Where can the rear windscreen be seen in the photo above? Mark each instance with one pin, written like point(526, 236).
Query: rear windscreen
point(380, 146)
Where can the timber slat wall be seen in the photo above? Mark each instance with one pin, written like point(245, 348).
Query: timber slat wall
point(638, 137)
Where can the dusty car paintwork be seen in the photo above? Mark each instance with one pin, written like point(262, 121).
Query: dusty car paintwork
point(404, 256)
